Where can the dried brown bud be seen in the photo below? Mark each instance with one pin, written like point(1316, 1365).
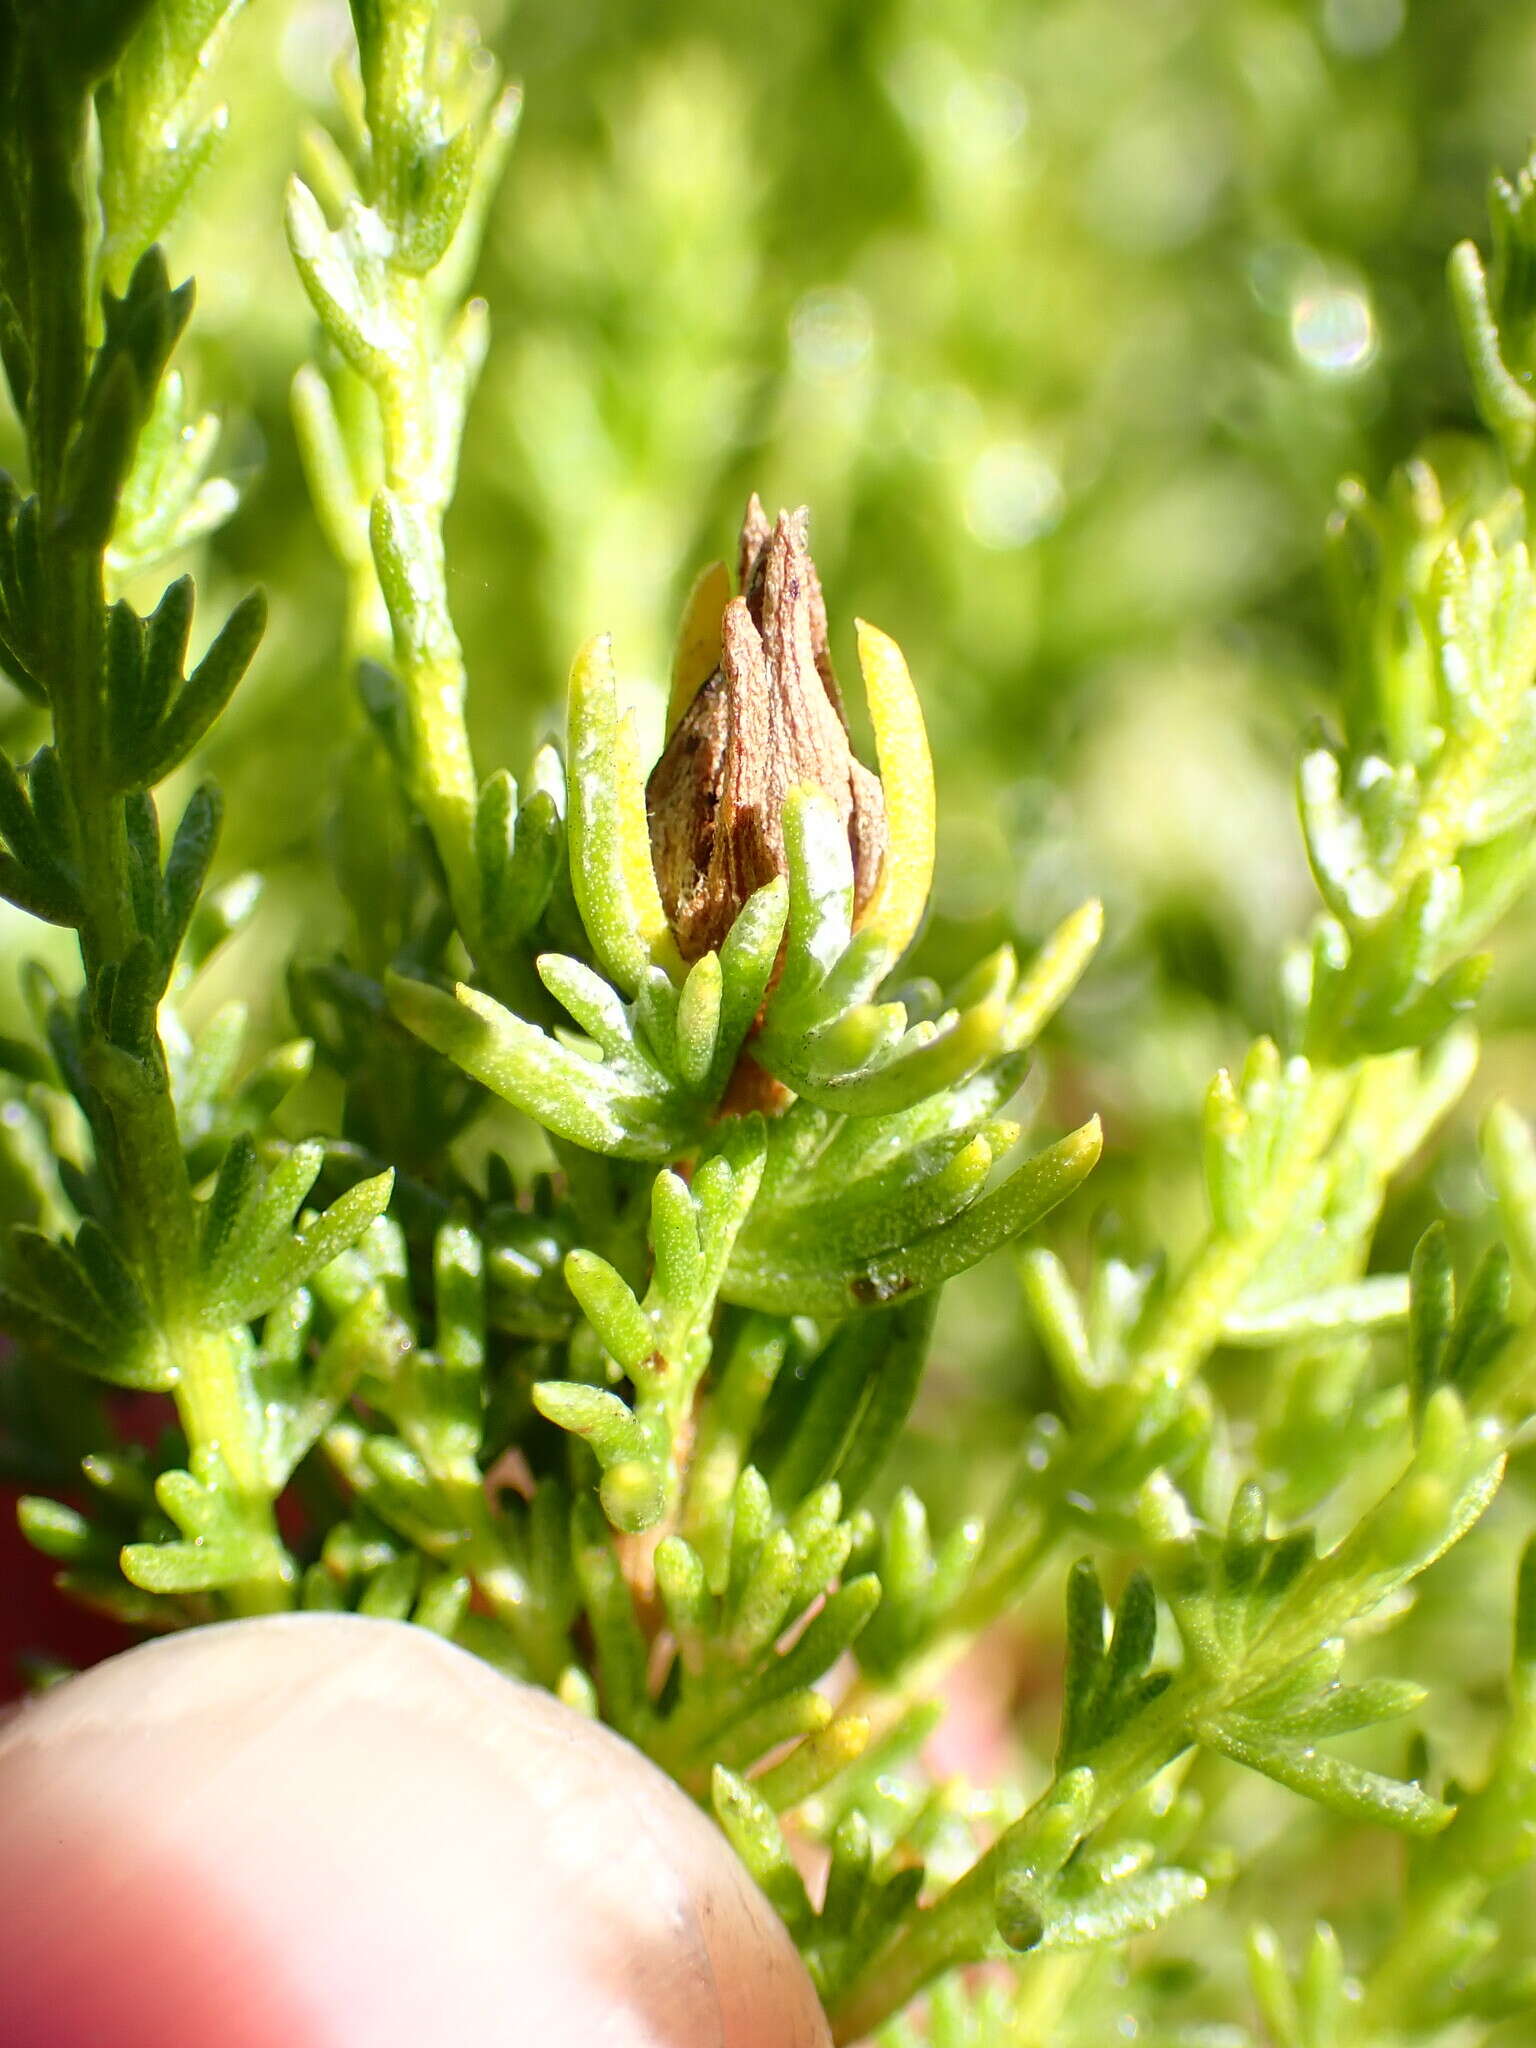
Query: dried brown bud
point(768, 718)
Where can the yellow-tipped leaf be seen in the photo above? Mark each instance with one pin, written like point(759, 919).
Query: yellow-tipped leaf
point(906, 774)
point(697, 654)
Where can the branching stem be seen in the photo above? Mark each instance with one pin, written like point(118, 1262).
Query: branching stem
point(138, 1131)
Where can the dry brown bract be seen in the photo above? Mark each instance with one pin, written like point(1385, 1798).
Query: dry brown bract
point(769, 717)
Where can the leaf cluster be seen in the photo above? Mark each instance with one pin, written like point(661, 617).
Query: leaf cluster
point(587, 1327)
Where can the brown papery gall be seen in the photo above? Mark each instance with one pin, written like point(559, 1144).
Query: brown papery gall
point(768, 718)
point(324, 1831)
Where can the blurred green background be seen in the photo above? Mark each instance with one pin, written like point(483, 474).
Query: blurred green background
point(1064, 316)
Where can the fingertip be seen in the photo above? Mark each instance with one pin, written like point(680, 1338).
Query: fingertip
point(333, 1830)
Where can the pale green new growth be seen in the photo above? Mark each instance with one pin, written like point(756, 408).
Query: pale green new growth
point(616, 1393)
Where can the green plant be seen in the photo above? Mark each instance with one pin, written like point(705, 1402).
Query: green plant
point(599, 1354)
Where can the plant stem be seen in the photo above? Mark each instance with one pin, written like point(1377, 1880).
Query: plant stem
point(945, 1933)
point(958, 1926)
point(1191, 1320)
point(1180, 1338)
point(137, 1133)
point(427, 650)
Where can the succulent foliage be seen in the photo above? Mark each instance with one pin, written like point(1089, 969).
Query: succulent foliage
point(586, 1327)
